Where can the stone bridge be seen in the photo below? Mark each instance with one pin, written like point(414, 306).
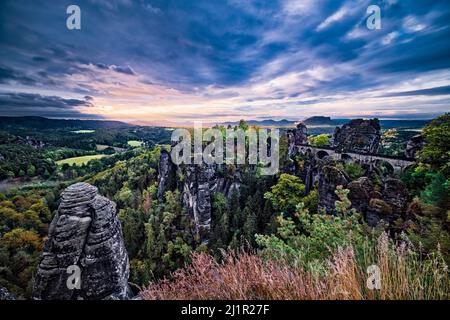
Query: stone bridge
point(397, 164)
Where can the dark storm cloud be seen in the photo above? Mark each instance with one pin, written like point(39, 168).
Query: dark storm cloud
point(8, 74)
point(437, 91)
point(30, 104)
point(124, 70)
point(25, 100)
point(190, 45)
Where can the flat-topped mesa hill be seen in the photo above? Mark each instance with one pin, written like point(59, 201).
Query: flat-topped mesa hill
point(86, 233)
point(319, 121)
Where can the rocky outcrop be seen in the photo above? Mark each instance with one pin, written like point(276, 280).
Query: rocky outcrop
point(6, 295)
point(414, 145)
point(396, 195)
point(360, 193)
point(329, 178)
point(389, 205)
point(197, 186)
point(378, 210)
point(296, 137)
point(200, 183)
point(197, 196)
point(166, 170)
point(85, 233)
point(361, 136)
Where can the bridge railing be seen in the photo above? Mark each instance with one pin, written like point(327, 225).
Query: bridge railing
point(358, 153)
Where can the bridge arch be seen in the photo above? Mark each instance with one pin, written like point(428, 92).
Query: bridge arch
point(346, 157)
point(385, 167)
point(322, 154)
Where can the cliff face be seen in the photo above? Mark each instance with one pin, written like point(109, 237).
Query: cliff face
point(362, 136)
point(414, 145)
point(198, 185)
point(387, 202)
point(329, 178)
point(296, 137)
point(85, 233)
point(388, 205)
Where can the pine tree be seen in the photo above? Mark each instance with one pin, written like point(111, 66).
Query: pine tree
point(249, 225)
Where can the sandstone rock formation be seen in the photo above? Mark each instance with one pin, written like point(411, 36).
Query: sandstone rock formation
point(329, 178)
point(198, 185)
point(388, 205)
point(87, 233)
point(396, 195)
point(296, 137)
point(361, 191)
point(361, 136)
point(6, 295)
point(166, 171)
point(414, 145)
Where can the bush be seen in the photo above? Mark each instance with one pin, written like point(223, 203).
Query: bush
point(319, 140)
point(353, 170)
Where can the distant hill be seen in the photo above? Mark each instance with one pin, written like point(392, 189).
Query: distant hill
point(319, 121)
point(265, 123)
point(45, 123)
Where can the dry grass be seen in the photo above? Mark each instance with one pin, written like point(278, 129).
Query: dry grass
point(247, 276)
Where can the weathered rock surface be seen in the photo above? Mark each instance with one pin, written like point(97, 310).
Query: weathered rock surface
point(361, 191)
point(6, 295)
point(389, 205)
point(166, 171)
point(396, 195)
point(361, 136)
point(296, 137)
point(414, 145)
point(378, 210)
point(197, 187)
point(87, 233)
point(329, 178)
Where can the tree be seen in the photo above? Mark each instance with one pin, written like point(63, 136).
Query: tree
point(235, 211)
point(343, 204)
point(319, 140)
point(437, 192)
point(243, 125)
point(221, 219)
point(307, 240)
point(436, 151)
point(287, 193)
point(354, 170)
point(31, 171)
point(133, 229)
point(249, 225)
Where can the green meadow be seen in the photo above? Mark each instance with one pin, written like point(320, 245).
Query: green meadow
point(80, 160)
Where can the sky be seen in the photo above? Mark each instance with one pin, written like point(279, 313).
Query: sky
point(170, 62)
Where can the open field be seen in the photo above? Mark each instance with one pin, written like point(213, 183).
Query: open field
point(135, 143)
point(84, 131)
point(80, 160)
point(102, 147)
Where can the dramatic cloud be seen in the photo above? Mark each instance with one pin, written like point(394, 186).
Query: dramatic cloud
point(225, 60)
point(35, 104)
point(438, 91)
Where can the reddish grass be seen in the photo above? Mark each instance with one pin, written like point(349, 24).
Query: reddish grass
point(247, 276)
